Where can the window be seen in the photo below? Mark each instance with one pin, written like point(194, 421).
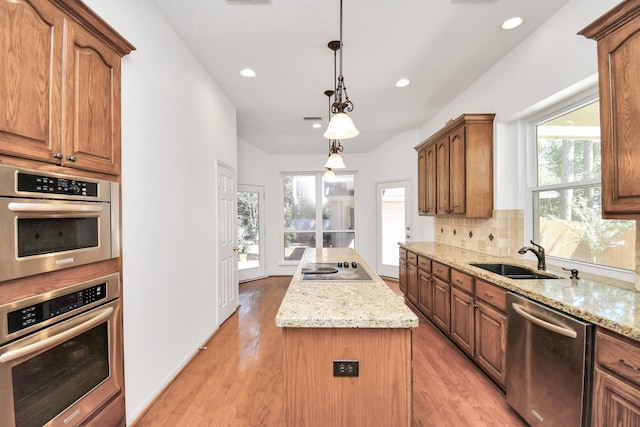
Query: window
point(566, 195)
point(317, 213)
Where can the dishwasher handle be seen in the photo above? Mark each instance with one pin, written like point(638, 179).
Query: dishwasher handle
point(543, 323)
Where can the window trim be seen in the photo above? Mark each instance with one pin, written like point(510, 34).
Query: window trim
point(527, 127)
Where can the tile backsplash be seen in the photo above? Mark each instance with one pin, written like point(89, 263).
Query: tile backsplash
point(501, 235)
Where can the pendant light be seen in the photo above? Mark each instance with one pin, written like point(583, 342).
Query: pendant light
point(335, 148)
point(340, 126)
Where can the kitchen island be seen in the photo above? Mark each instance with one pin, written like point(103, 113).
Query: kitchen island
point(346, 348)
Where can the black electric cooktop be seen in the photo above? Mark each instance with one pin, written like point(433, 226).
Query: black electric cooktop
point(343, 271)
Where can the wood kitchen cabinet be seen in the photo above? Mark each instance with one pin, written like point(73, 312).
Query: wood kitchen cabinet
point(441, 297)
point(491, 330)
point(616, 390)
point(425, 287)
point(412, 278)
point(455, 167)
point(402, 271)
point(61, 85)
point(618, 36)
point(462, 308)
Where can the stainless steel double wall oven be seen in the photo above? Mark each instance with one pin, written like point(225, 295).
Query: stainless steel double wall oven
point(60, 332)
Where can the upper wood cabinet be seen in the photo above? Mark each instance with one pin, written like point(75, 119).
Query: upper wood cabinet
point(455, 172)
point(618, 36)
point(61, 85)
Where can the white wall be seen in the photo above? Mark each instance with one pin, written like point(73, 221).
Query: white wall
point(176, 124)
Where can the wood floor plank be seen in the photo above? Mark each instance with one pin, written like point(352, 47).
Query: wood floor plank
point(238, 381)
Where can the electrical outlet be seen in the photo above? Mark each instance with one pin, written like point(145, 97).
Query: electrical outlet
point(345, 368)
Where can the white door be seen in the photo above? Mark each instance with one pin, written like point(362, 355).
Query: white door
point(226, 232)
point(251, 259)
point(393, 202)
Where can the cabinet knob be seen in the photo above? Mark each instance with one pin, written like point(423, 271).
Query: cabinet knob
point(57, 156)
point(71, 158)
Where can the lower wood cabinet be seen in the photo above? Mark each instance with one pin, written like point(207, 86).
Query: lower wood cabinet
point(462, 320)
point(616, 386)
point(470, 311)
point(412, 283)
point(442, 305)
point(491, 341)
point(425, 293)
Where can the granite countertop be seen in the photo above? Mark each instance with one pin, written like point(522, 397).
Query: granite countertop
point(591, 298)
point(342, 304)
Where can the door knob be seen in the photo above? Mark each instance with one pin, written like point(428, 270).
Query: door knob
point(235, 249)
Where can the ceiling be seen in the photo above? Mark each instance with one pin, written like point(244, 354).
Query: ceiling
point(442, 46)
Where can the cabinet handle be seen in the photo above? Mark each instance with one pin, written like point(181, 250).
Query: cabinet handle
point(488, 295)
point(57, 156)
point(628, 365)
point(71, 158)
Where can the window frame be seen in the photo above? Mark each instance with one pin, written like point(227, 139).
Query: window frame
point(528, 127)
point(319, 195)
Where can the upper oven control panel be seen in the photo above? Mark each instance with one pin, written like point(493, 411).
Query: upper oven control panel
point(33, 183)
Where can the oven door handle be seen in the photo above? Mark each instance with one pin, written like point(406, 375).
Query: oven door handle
point(50, 342)
point(53, 207)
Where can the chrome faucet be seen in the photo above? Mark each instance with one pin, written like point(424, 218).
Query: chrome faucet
point(538, 251)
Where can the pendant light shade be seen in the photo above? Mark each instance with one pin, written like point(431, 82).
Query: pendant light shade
point(341, 127)
point(329, 175)
point(334, 162)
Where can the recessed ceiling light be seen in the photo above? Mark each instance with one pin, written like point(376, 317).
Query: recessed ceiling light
point(316, 125)
point(512, 23)
point(247, 72)
point(403, 82)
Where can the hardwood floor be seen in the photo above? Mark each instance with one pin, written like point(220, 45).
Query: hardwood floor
point(238, 381)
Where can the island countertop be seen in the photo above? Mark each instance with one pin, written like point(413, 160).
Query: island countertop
point(341, 304)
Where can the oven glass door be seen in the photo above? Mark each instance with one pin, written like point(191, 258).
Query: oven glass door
point(47, 384)
point(37, 236)
point(46, 235)
point(62, 373)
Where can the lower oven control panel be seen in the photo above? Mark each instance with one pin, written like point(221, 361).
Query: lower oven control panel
point(37, 313)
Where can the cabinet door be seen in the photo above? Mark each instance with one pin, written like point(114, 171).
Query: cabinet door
point(422, 182)
point(619, 74)
point(491, 341)
point(441, 305)
point(30, 87)
point(442, 176)
point(412, 284)
point(431, 180)
point(614, 402)
point(91, 103)
point(462, 330)
point(425, 294)
point(457, 171)
point(402, 276)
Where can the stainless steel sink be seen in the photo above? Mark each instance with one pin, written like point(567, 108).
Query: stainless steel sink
point(512, 271)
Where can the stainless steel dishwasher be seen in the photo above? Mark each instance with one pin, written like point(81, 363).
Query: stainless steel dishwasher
point(549, 364)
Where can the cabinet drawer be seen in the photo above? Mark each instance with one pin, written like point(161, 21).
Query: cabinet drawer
point(412, 258)
point(491, 294)
point(440, 270)
point(424, 263)
point(462, 281)
point(403, 253)
point(618, 355)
